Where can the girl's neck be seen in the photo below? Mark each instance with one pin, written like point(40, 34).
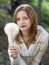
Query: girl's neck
point(27, 38)
point(25, 34)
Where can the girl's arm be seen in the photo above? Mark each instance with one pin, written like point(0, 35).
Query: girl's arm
point(43, 46)
point(17, 61)
point(14, 56)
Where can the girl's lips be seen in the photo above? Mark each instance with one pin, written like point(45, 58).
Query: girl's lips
point(22, 26)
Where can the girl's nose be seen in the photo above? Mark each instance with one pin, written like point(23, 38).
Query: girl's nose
point(21, 20)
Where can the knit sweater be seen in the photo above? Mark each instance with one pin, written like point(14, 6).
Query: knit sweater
point(33, 54)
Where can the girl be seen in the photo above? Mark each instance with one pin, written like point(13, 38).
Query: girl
point(32, 40)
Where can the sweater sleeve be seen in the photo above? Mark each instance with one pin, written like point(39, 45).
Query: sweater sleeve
point(43, 46)
point(17, 61)
point(14, 61)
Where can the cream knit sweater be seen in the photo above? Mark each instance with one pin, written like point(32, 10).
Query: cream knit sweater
point(33, 54)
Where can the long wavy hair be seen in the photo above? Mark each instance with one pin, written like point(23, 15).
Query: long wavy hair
point(32, 16)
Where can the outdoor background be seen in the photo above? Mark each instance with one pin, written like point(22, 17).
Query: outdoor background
point(7, 8)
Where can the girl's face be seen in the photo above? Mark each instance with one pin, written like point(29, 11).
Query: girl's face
point(23, 21)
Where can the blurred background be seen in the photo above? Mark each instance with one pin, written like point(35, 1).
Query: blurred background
point(7, 8)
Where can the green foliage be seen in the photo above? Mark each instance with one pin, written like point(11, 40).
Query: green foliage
point(46, 0)
point(3, 1)
point(45, 11)
point(1, 32)
point(4, 16)
point(1, 59)
point(29, 1)
point(47, 29)
point(32, 2)
point(35, 3)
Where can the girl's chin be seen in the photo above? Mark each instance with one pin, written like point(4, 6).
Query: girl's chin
point(23, 29)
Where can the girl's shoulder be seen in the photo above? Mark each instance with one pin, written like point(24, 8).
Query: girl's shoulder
point(42, 30)
point(43, 38)
point(41, 33)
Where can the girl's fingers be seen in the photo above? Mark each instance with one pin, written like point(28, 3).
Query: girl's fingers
point(12, 51)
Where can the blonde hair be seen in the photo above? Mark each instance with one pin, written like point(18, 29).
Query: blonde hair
point(31, 14)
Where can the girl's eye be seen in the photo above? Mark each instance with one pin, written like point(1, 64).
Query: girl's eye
point(17, 19)
point(25, 18)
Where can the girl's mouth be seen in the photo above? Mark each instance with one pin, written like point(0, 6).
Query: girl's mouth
point(22, 26)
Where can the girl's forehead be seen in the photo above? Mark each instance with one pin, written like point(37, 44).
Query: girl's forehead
point(22, 13)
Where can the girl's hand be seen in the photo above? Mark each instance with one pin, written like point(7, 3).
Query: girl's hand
point(13, 52)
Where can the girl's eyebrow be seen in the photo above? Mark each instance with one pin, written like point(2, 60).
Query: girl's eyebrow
point(23, 16)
